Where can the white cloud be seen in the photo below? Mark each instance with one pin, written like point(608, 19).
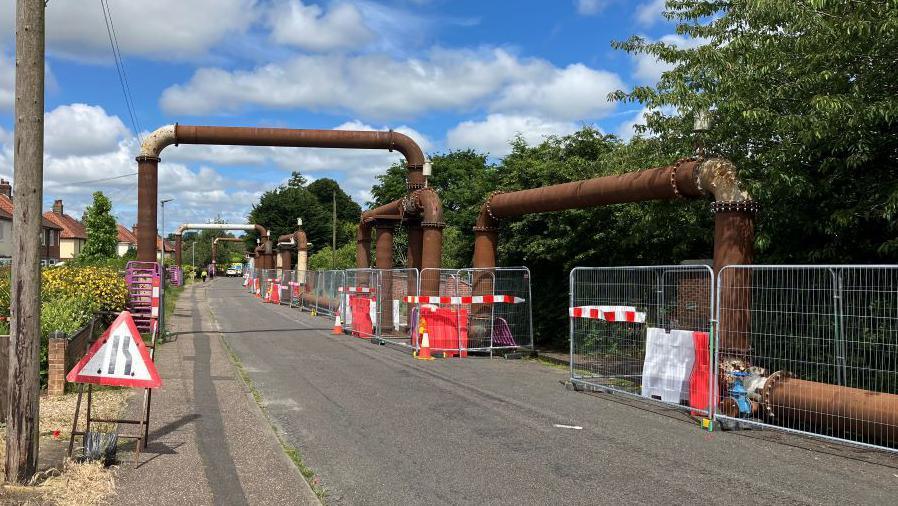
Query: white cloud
point(627, 129)
point(309, 27)
point(573, 93)
point(590, 7)
point(162, 29)
point(7, 81)
point(200, 194)
point(649, 13)
point(381, 87)
point(648, 69)
point(81, 129)
point(493, 134)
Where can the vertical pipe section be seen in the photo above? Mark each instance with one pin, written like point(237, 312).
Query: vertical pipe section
point(147, 192)
point(178, 245)
point(734, 239)
point(428, 203)
point(384, 254)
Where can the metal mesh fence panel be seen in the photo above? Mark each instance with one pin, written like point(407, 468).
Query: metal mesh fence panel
point(644, 331)
point(810, 349)
point(359, 297)
point(476, 310)
point(395, 314)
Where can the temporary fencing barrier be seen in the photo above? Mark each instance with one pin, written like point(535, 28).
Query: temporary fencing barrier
point(360, 317)
point(644, 331)
point(810, 349)
point(395, 316)
point(476, 310)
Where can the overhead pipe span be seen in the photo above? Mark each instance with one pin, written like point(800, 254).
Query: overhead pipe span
point(157, 141)
point(179, 232)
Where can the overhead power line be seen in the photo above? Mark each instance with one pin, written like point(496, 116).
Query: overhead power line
point(120, 68)
point(101, 179)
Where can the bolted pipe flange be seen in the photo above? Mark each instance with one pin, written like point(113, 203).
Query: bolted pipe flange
point(489, 209)
point(673, 174)
point(743, 206)
point(148, 158)
point(486, 229)
point(766, 390)
point(412, 187)
point(428, 224)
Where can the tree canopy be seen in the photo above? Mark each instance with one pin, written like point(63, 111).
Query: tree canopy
point(102, 232)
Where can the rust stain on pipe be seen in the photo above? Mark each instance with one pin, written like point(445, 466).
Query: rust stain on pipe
point(845, 412)
point(147, 194)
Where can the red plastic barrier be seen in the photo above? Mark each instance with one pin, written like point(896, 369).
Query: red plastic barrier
point(447, 330)
point(361, 316)
point(698, 380)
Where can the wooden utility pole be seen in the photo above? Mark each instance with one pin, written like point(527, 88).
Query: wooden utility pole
point(25, 339)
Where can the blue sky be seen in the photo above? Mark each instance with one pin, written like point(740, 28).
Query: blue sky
point(452, 74)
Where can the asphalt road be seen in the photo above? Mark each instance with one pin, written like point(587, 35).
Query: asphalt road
point(381, 428)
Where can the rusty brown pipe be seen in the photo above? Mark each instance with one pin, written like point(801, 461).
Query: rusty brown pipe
point(427, 204)
point(263, 233)
point(384, 261)
point(734, 220)
point(844, 412)
point(391, 211)
point(154, 143)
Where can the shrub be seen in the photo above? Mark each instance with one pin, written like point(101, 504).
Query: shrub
point(103, 287)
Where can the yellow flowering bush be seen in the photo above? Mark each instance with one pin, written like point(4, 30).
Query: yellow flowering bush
point(103, 287)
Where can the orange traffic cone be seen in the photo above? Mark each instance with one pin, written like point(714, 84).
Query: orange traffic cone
point(424, 352)
point(267, 294)
point(338, 327)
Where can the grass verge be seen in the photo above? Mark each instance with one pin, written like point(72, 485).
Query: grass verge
point(291, 451)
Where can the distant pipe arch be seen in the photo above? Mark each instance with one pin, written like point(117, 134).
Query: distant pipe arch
point(179, 232)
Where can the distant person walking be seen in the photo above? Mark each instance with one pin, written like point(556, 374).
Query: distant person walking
point(204, 275)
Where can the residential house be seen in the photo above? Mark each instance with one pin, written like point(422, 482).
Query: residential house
point(126, 240)
point(50, 232)
point(74, 234)
point(169, 248)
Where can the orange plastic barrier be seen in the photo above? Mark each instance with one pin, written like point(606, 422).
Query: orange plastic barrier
point(361, 316)
point(447, 330)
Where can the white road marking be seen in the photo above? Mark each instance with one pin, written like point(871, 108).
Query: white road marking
point(575, 427)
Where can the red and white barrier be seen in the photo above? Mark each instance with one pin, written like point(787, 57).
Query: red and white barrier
point(475, 299)
point(627, 314)
point(355, 289)
point(154, 299)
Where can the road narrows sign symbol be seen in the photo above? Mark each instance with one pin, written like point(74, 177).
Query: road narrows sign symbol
point(117, 358)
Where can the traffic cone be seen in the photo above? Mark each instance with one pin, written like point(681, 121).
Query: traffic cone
point(267, 294)
point(338, 327)
point(424, 352)
point(275, 293)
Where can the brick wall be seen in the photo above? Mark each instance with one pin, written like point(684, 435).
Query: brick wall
point(56, 358)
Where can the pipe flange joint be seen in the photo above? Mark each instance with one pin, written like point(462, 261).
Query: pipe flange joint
point(148, 158)
point(489, 208)
point(485, 229)
point(673, 174)
point(413, 187)
point(740, 206)
point(772, 380)
point(433, 224)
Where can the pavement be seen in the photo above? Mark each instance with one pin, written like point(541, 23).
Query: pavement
point(210, 443)
point(379, 427)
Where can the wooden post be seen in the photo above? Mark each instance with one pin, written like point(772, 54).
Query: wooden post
point(25, 340)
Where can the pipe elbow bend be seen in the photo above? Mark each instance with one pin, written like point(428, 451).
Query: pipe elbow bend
point(719, 177)
point(430, 207)
point(410, 149)
point(154, 143)
point(486, 221)
point(302, 241)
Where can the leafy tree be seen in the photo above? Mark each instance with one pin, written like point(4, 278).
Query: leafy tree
point(279, 208)
point(804, 97)
point(324, 260)
point(102, 233)
point(348, 211)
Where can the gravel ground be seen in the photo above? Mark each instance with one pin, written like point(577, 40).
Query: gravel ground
point(381, 428)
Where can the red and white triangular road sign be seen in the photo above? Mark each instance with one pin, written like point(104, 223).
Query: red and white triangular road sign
point(117, 358)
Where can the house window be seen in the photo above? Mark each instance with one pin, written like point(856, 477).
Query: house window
point(44, 237)
point(2, 231)
point(53, 237)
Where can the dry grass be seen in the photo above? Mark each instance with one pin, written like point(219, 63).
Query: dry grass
point(76, 484)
